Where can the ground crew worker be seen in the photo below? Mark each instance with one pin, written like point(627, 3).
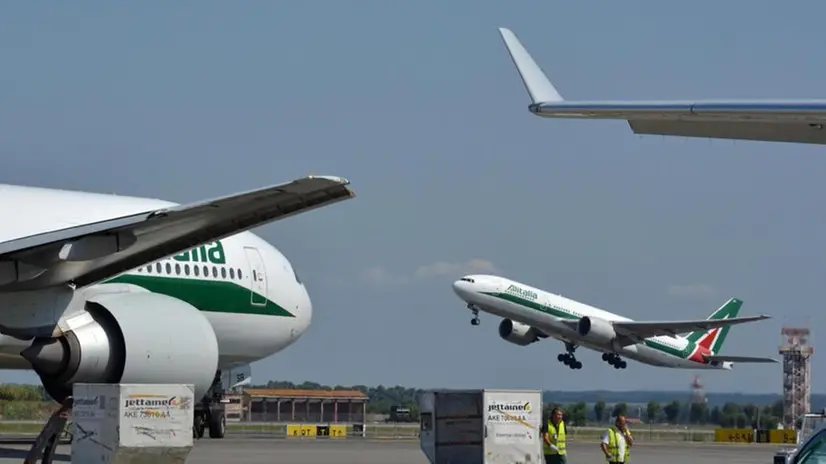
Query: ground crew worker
point(553, 436)
point(617, 442)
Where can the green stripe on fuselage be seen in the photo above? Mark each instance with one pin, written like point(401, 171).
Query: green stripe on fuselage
point(206, 295)
point(559, 313)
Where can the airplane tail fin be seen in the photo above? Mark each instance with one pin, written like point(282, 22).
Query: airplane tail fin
point(536, 82)
point(236, 376)
point(713, 339)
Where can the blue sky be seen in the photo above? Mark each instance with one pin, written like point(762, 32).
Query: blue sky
point(417, 103)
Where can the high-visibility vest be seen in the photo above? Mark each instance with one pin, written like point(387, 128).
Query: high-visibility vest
point(613, 447)
point(557, 437)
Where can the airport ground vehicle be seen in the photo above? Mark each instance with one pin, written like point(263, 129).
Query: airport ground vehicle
point(811, 441)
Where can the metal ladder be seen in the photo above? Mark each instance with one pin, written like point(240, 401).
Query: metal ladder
point(45, 445)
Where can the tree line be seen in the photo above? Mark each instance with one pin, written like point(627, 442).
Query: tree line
point(729, 415)
point(24, 402)
point(14, 392)
point(580, 413)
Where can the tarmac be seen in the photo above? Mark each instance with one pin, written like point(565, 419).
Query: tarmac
point(260, 451)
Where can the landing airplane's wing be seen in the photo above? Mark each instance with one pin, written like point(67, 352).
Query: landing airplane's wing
point(738, 359)
point(643, 329)
point(90, 253)
point(799, 121)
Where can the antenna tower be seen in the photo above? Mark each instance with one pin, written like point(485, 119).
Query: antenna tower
point(797, 373)
point(698, 393)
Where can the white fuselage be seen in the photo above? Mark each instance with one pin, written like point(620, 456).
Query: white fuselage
point(247, 327)
point(545, 311)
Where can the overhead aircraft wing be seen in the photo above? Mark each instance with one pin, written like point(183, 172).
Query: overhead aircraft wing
point(738, 359)
point(90, 253)
point(798, 121)
point(644, 329)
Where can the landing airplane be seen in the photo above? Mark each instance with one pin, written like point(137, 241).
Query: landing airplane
point(113, 289)
point(531, 314)
point(797, 121)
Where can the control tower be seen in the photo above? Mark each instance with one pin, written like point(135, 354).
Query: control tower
point(797, 373)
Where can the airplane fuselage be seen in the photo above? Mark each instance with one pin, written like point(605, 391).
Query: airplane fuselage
point(245, 287)
point(543, 310)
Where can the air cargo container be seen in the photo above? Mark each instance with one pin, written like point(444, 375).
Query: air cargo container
point(481, 426)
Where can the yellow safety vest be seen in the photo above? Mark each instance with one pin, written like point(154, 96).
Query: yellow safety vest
point(557, 437)
point(613, 447)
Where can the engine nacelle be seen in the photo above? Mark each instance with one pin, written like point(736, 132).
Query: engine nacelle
point(518, 333)
point(139, 337)
point(598, 330)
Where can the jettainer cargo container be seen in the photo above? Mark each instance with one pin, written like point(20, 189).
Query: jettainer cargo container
point(481, 426)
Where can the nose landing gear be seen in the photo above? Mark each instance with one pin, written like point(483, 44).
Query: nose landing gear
point(614, 360)
point(475, 311)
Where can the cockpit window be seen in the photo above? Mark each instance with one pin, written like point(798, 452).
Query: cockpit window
point(467, 279)
point(296, 277)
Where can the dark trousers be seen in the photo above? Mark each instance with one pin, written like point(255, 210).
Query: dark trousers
point(555, 459)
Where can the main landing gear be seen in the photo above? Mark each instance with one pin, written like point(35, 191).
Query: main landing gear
point(210, 413)
point(614, 360)
point(475, 311)
point(568, 358)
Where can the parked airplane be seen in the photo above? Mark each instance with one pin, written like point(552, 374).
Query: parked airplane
point(531, 314)
point(112, 289)
point(798, 121)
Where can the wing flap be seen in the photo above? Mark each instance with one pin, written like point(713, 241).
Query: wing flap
point(149, 236)
point(734, 111)
point(759, 131)
point(738, 359)
point(643, 329)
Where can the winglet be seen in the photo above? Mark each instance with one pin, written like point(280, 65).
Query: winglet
point(336, 179)
point(536, 82)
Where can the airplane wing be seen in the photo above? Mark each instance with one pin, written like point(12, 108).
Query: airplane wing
point(738, 359)
point(644, 329)
point(798, 121)
point(90, 253)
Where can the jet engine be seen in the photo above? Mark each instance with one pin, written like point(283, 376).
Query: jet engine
point(518, 333)
point(598, 330)
point(140, 337)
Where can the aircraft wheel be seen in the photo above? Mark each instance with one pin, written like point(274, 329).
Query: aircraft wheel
point(217, 425)
point(198, 427)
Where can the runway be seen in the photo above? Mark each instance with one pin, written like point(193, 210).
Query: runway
point(260, 451)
